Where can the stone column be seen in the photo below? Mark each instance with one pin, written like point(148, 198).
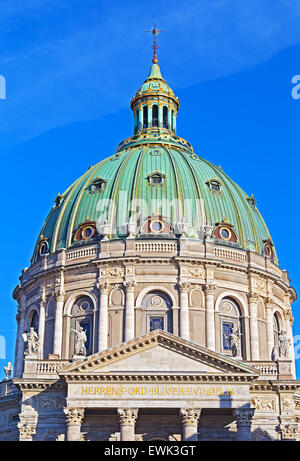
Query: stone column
point(127, 418)
point(103, 317)
point(243, 418)
point(19, 351)
point(210, 317)
point(254, 339)
point(58, 326)
point(74, 418)
point(184, 323)
point(190, 418)
point(270, 328)
point(42, 328)
point(129, 310)
point(27, 424)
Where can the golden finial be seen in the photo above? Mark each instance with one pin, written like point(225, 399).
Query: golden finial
point(155, 46)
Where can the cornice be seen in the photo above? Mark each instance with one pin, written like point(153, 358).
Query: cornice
point(159, 378)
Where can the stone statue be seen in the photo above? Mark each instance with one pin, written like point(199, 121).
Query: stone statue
point(8, 371)
point(284, 344)
point(32, 340)
point(234, 338)
point(80, 340)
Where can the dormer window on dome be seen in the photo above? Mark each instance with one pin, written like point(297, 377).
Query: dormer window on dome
point(156, 225)
point(98, 185)
point(42, 246)
point(214, 185)
point(156, 179)
point(86, 231)
point(268, 249)
point(224, 231)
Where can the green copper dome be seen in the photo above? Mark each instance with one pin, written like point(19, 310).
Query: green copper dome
point(154, 175)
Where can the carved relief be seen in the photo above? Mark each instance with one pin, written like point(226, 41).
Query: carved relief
point(260, 285)
point(52, 402)
point(193, 272)
point(116, 271)
point(259, 404)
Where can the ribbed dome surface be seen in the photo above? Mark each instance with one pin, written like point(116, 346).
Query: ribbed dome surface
point(126, 177)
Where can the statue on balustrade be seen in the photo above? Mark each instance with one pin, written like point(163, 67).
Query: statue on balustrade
point(33, 345)
point(284, 344)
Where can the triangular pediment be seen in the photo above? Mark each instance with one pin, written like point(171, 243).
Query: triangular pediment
point(158, 352)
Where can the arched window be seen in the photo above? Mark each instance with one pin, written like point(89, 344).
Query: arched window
point(276, 330)
point(157, 312)
point(172, 120)
point(34, 323)
point(155, 115)
point(49, 328)
point(231, 324)
point(268, 250)
point(165, 117)
point(145, 117)
point(82, 316)
point(136, 121)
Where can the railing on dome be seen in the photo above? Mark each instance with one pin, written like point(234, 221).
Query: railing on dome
point(233, 255)
point(156, 247)
point(81, 253)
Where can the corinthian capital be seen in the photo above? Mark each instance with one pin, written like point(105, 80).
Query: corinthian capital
point(127, 415)
point(130, 286)
point(243, 416)
point(210, 288)
point(74, 415)
point(190, 415)
point(26, 431)
point(59, 295)
point(253, 297)
point(184, 287)
point(103, 287)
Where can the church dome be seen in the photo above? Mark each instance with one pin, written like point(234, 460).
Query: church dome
point(155, 185)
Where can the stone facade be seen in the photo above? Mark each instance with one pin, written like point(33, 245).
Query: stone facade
point(174, 383)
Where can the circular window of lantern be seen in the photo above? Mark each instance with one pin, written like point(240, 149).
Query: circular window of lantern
point(225, 233)
point(156, 226)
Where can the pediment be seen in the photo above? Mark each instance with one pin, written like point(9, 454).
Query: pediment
point(158, 352)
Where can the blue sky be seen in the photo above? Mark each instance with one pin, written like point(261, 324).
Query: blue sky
point(71, 68)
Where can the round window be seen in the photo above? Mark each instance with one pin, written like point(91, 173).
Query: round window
point(225, 233)
point(156, 226)
point(87, 232)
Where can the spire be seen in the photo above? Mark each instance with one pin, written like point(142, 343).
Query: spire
point(155, 46)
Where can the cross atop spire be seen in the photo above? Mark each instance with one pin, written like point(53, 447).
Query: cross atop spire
point(155, 46)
